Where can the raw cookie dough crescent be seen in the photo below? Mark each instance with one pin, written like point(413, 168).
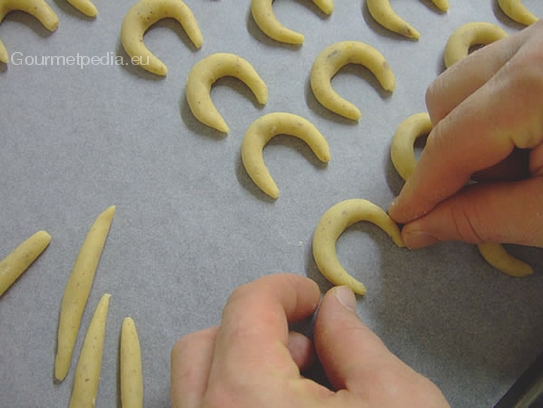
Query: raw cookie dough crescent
point(402, 150)
point(204, 74)
point(468, 35)
point(85, 6)
point(265, 128)
point(36, 8)
point(403, 158)
point(517, 11)
point(383, 13)
point(333, 223)
point(335, 57)
point(143, 15)
point(442, 5)
point(265, 19)
point(499, 258)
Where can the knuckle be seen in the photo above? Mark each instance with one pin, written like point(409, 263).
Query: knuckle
point(469, 224)
point(433, 98)
point(525, 87)
point(465, 229)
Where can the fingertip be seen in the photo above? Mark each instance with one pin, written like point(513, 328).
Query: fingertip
point(343, 341)
point(345, 296)
point(418, 239)
point(190, 365)
point(397, 209)
point(392, 207)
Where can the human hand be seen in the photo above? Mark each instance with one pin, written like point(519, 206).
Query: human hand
point(251, 359)
point(487, 112)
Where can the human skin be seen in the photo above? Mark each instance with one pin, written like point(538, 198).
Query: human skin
point(252, 360)
point(487, 113)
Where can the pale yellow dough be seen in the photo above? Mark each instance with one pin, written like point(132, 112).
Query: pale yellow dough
point(468, 35)
point(143, 15)
point(36, 8)
point(78, 289)
point(333, 223)
point(382, 13)
point(332, 59)
point(85, 6)
point(499, 258)
point(442, 5)
point(20, 259)
point(402, 150)
point(517, 11)
point(131, 368)
point(204, 74)
point(265, 19)
point(89, 365)
point(265, 128)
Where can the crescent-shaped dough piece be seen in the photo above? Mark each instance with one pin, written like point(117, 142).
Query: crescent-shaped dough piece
point(402, 150)
point(499, 258)
point(37, 8)
point(382, 13)
point(335, 57)
point(468, 35)
point(442, 5)
point(266, 127)
point(208, 70)
point(85, 6)
point(333, 223)
point(403, 158)
point(265, 19)
point(517, 11)
point(143, 15)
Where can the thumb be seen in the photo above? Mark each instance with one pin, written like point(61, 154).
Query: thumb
point(347, 349)
point(356, 360)
point(506, 212)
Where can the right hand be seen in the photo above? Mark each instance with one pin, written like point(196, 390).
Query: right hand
point(487, 112)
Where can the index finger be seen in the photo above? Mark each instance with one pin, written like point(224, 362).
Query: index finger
point(477, 134)
point(254, 329)
point(463, 78)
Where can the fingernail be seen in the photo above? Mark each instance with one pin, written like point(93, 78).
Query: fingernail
point(393, 204)
point(346, 297)
point(418, 239)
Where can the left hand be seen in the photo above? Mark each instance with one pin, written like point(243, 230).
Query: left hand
point(251, 359)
